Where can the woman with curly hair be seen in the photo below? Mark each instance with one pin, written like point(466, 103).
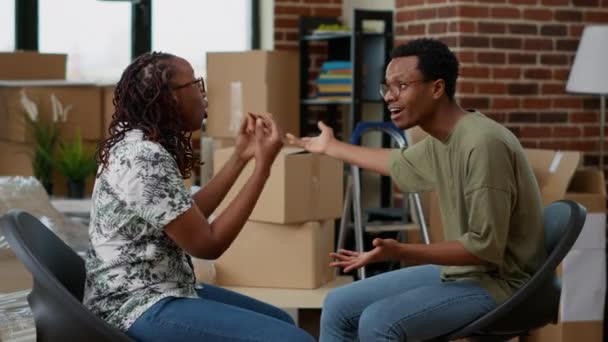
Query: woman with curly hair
point(145, 225)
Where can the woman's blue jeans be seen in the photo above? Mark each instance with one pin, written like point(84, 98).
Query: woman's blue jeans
point(409, 304)
point(218, 315)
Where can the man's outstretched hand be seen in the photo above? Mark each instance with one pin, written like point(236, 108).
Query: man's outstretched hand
point(384, 250)
point(318, 144)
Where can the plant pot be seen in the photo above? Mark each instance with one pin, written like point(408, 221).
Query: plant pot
point(75, 189)
point(48, 186)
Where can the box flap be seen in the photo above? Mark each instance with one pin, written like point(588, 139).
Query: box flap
point(587, 188)
point(588, 181)
point(553, 171)
point(292, 150)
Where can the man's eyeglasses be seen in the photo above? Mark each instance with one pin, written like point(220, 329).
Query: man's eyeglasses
point(396, 88)
point(198, 81)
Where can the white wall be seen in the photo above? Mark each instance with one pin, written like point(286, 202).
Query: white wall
point(349, 5)
point(267, 24)
point(267, 16)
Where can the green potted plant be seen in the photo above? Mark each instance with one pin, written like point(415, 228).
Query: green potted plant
point(44, 135)
point(76, 162)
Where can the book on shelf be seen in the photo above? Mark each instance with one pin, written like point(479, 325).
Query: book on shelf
point(336, 76)
point(337, 65)
point(332, 98)
point(334, 88)
point(334, 80)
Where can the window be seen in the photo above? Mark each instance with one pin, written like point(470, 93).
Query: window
point(7, 25)
point(196, 27)
point(96, 35)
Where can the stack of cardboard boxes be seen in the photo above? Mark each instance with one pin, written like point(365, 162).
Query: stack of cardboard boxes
point(290, 233)
point(38, 76)
point(14, 148)
point(287, 240)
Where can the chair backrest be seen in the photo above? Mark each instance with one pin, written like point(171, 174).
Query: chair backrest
point(59, 276)
point(563, 221)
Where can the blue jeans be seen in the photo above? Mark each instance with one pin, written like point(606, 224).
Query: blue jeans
point(409, 304)
point(218, 315)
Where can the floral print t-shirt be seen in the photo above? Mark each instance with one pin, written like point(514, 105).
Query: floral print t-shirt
point(131, 263)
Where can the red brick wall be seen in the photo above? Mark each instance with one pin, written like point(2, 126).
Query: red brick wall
point(515, 59)
point(286, 21)
point(287, 12)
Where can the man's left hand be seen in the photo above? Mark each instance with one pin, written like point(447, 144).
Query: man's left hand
point(384, 250)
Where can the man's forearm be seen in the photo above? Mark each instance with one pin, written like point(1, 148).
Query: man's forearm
point(447, 253)
point(209, 197)
point(374, 159)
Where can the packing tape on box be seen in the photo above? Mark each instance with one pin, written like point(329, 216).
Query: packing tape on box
point(236, 106)
point(555, 162)
point(316, 185)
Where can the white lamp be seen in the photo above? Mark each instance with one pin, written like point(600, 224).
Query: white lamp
point(589, 74)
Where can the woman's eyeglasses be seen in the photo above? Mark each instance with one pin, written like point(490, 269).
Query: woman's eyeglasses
point(198, 81)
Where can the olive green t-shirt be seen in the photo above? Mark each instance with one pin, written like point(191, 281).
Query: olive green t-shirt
point(489, 200)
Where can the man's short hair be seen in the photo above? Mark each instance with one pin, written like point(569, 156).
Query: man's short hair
point(435, 61)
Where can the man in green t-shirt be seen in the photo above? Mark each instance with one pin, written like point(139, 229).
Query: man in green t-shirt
point(490, 205)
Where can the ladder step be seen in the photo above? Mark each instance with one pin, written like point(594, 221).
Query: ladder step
point(378, 227)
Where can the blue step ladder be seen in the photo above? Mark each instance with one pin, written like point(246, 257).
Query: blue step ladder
point(352, 200)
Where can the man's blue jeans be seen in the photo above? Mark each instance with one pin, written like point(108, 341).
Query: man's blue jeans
point(409, 304)
point(218, 315)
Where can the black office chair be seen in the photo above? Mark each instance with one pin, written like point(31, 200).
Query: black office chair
point(59, 276)
point(537, 302)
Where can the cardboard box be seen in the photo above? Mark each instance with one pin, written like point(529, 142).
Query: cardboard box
point(282, 256)
point(220, 143)
point(553, 171)
point(570, 332)
point(15, 159)
point(85, 99)
point(32, 65)
point(302, 187)
point(583, 271)
point(252, 81)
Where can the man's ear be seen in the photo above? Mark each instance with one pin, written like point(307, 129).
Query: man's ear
point(438, 88)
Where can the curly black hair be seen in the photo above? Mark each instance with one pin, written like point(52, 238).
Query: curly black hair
point(143, 100)
point(435, 61)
